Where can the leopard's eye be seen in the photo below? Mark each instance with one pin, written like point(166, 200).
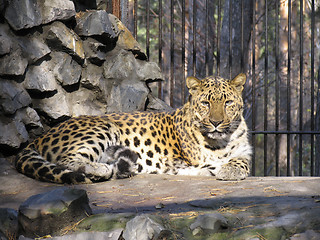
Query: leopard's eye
point(228, 102)
point(205, 104)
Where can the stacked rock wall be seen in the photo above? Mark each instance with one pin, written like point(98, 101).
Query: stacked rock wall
point(57, 63)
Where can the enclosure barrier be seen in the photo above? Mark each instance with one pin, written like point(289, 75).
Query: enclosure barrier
point(274, 42)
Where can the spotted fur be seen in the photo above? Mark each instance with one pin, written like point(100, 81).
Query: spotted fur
point(207, 136)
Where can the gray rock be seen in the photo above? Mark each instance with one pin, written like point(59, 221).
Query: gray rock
point(12, 96)
point(8, 223)
point(125, 77)
point(96, 24)
point(126, 40)
point(23, 14)
point(121, 64)
point(84, 102)
point(92, 77)
point(40, 78)
point(211, 223)
point(156, 104)
point(66, 70)
point(5, 44)
point(105, 222)
point(61, 38)
point(111, 235)
point(307, 235)
point(55, 107)
point(95, 51)
point(49, 212)
point(33, 48)
point(30, 118)
point(142, 228)
point(127, 97)
point(31, 13)
point(56, 10)
point(5, 39)
point(148, 70)
point(13, 133)
point(13, 63)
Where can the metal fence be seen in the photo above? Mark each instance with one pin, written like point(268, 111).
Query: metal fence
point(274, 42)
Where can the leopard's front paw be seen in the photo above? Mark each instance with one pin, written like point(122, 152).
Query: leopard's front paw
point(126, 165)
point(229, 172)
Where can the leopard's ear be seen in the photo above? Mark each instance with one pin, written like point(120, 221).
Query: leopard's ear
point(239, 81)
point(193, 83)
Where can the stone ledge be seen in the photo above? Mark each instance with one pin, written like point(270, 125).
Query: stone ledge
point(270, 206)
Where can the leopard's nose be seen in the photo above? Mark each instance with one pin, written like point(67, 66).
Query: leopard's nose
point(215, 123)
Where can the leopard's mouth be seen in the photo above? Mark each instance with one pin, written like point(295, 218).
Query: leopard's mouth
point(214, 133)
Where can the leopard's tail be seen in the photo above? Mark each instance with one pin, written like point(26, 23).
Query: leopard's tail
point(30, 163)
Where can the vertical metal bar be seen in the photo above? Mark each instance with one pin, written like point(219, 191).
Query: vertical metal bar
point(301, 88)
point(253, 167)
point(277, 120)
point(242, 38)
point(194, 29)
point(289, 92)
point(160, 90)
point(148, 28)
point(312, 89)
point(171, 51)
point(265, 127)
point(230, 38)
point(317, 127)
point(206, 38)
point(183, 54)
point(124, 11)
point(218, 37)
point(135, 18)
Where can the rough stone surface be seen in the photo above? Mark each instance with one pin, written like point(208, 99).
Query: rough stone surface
point(8, 223)
point(23, 14)
point(105, 222)
point(66, 70)
point(30, 118)
point(95, 51)
point(5, 44)
point(96, 24)
point(127, 98)
point(143, 228)
point(307, 235)
point(84, 102)
point(55, 107)
point(35, 75)
point(211, 223)
point(65, 75)
point(33, 48)
point(126, 40)
point(121, 64)
point(48, 213)
point(112, 235)
point(12, 96)
point(13, 63)
point(56, 10)
point(13, 134)
point(156, 104)
point(60, 37)
point(31, 13)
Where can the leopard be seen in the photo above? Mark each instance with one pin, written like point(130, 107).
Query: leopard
point(207, 136)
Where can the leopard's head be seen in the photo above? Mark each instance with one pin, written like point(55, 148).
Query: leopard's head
point(216, 105)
